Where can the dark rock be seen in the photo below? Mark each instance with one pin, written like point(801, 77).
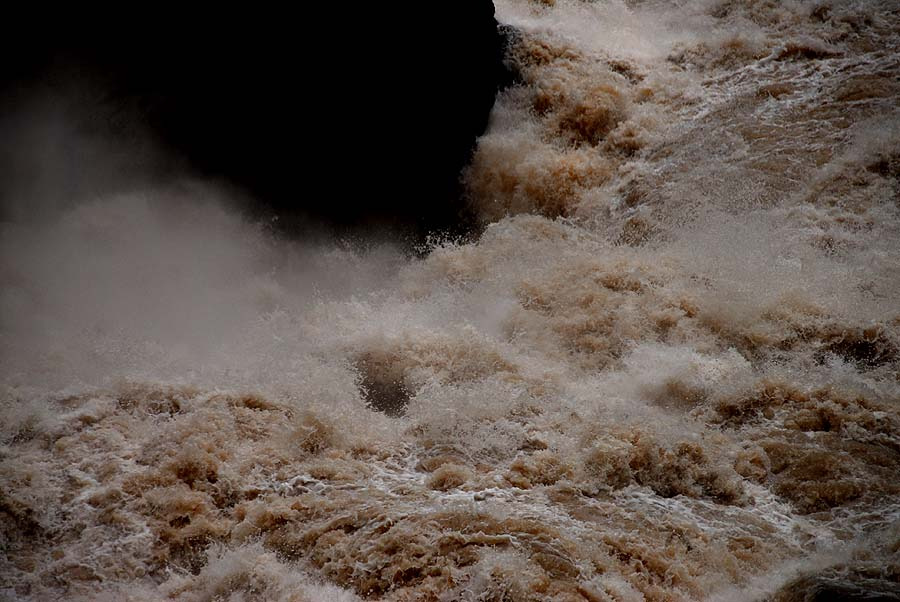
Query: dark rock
point(831, 587)
point(346, 115)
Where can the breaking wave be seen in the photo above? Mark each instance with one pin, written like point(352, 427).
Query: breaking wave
point(666, 369)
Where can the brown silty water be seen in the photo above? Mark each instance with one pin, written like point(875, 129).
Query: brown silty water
point(666, 369)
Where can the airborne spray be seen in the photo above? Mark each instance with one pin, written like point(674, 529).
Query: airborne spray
point(660, 365)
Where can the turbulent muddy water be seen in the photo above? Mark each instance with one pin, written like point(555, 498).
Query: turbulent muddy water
point(666, 368)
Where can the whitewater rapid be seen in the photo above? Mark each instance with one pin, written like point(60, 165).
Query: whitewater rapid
point(665, 368)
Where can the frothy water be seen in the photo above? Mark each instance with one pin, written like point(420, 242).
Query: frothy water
point(666, 369)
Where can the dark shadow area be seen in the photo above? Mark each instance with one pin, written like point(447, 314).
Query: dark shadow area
point(381, 385)
point(332, 117)
point(382, 380)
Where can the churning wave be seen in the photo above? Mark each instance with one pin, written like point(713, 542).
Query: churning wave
point(666, 369)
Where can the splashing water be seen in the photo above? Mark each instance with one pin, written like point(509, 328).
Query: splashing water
point(667, 369)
